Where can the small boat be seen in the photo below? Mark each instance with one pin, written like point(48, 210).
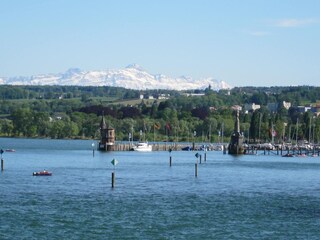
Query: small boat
point(187, 148)
point(301, 155)
point(10, 150)
point(42, 173)
point(142, 147)
point(288, 155)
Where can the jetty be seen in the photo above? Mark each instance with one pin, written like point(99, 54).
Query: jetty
point(166, 146)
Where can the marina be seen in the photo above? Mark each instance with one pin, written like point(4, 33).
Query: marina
point(233, 196)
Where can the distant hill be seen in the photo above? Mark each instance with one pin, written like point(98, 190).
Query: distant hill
point(131, 77)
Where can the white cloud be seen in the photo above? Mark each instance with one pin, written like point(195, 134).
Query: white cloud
point(289, 23)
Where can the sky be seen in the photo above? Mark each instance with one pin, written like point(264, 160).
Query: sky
point(241, 42)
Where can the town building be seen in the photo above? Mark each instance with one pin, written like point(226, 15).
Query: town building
point(251, 107)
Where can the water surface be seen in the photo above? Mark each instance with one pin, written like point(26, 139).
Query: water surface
point(246, 197)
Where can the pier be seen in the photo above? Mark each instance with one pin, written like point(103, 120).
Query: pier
point(125, 146)
point(249, 150)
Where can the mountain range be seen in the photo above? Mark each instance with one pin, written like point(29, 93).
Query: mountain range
point(131, 77)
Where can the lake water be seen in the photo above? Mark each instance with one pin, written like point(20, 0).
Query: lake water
point(244, 197)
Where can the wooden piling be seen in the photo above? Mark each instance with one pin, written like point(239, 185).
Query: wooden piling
point(314, 151)
point(2, 163)
point(113, 179)
point(205, 157)
point(170, 161)
point(200, 156)
point(196, 170)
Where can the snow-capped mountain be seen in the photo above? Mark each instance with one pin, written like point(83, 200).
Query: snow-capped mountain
point(131, 77)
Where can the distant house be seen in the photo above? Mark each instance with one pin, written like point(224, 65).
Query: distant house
point(315, 109)
point(273, 107)
point(57, 116)
point(212, 109)
point(164, 96)
point(251, 107)
point(286, 105)
point(303, 109)
point(194, 94)
point(236, 108)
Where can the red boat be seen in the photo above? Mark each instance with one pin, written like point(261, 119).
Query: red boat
point(42, 173)
point(10, 150)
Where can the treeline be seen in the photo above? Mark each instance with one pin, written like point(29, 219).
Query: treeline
point(10, 92)
point(75, 112)
point(67, 92)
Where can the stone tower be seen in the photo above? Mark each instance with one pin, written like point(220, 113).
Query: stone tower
point(236, 143)
point(107, 136)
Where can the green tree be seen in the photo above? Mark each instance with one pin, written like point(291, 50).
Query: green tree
point(23, 122)
point(254, 126)
point(6, 127)
point(57, 129)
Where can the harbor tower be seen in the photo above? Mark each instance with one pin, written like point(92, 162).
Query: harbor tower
point(236, 143)
point(107, 136)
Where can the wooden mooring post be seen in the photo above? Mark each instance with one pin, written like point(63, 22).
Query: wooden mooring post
point(113, 179)
point(224, 149)
point(2, 162)
point(92, 149)
point(114, 162)
point(196, 169)
point(196, 165)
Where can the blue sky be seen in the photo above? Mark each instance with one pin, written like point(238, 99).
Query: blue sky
point(243, 42)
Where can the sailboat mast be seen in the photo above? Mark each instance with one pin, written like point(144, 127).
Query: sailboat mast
point(297, 131)
point(272, 134)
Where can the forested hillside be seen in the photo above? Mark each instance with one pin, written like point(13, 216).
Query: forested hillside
point(75, 112)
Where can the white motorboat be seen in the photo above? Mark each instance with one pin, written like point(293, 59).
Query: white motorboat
point(142, 147)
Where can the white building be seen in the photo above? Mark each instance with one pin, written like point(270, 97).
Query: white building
point(251, 107)
point(286, 105)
